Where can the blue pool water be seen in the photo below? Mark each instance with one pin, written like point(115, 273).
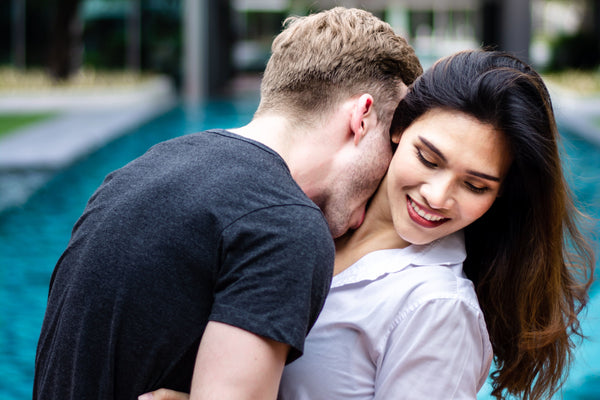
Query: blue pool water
point(33, 236)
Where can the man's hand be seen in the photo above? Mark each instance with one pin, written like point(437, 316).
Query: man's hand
point(234, 364)
point(164, 394)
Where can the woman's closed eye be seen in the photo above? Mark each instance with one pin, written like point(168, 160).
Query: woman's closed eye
point(426, 162)
point(430, 162)
point(476, 189)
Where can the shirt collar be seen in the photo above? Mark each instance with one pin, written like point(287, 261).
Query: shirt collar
point(449, 250)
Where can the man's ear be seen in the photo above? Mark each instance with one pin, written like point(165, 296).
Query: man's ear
point(363, 116)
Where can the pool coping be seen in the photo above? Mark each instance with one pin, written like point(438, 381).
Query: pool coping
point(104, 115)
point(85, 121)
point(577, 113)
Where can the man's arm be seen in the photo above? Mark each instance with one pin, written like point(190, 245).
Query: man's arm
point(235, 364)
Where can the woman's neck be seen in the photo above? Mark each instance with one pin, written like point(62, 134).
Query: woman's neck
point(376, 233)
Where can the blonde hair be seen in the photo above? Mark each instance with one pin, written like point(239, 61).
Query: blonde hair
point(322, 59)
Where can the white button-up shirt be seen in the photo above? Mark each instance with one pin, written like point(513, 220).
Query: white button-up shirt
point(397, 324)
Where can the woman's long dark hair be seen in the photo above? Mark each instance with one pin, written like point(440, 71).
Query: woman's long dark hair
point(527, 257)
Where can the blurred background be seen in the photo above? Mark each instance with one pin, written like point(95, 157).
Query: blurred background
point(88, 85)
point(202, 44)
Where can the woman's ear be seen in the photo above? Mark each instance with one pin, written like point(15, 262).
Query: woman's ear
point(395, 135)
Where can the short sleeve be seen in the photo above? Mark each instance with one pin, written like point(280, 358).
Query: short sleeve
point(276, 269)
point(438, 350)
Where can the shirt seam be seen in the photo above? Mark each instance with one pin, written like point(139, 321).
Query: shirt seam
point(231, 135)
point(404, 313)
point(256, 210)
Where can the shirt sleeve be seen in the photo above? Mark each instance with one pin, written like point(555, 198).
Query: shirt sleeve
point(275, 273)
point(437, 350)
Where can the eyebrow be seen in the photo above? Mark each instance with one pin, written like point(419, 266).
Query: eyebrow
point(484, 176)
point(433, 148)
point(437, 151)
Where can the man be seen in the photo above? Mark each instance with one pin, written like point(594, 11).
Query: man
point(212, 253)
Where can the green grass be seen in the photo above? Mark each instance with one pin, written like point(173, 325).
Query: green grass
point(15, 80)
point(10, 122)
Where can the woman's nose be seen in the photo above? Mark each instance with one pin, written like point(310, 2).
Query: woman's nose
point(437, 191)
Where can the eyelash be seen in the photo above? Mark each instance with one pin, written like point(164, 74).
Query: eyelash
point(429, 164)
point(425, 161)
point(475, 189)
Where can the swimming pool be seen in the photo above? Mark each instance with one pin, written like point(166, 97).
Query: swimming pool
point(33, 236)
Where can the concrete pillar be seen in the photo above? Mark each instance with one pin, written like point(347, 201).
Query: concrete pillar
point(596, 25)
point(506, 25)
point(220, 32)
point(397, 17)
point(515, 27)
point(18, 33)
point(195, 50)
point(134, 42)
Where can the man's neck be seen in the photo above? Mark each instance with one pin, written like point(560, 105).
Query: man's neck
point(302, 148)
point(272, 131)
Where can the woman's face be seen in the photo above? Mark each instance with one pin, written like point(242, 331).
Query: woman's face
point(445, 174)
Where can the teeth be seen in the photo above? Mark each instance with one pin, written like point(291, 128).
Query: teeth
point(423, 214)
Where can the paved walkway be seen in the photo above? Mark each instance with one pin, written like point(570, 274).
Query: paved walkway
point(89, 120)
point(581, 114)
point(85, 121)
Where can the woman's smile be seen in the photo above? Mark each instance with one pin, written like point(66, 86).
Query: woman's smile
point(423, 217)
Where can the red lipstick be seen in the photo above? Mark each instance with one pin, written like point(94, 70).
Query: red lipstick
point(428, 219)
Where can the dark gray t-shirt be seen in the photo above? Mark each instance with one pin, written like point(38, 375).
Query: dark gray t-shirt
point(208, 226)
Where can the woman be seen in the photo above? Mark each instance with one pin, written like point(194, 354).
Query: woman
point(477, 167)
point(478, 154)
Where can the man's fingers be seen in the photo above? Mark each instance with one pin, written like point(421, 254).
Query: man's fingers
point(164, 394)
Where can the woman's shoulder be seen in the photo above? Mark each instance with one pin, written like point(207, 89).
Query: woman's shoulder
point(440, 295)
point(439, 282)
